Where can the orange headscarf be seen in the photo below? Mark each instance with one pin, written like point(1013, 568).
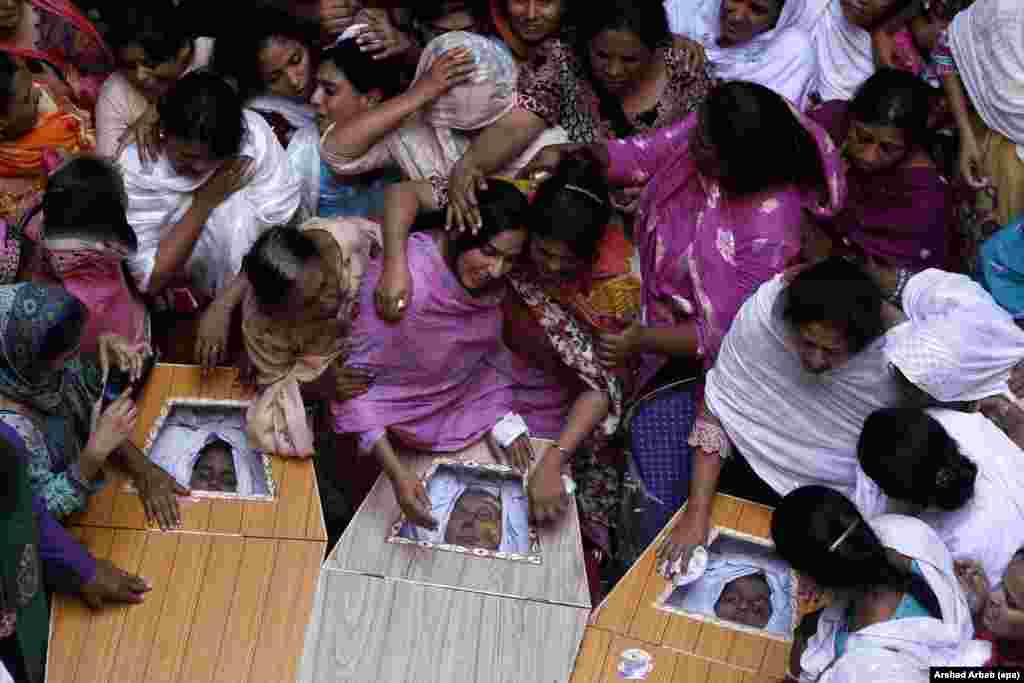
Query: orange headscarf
point(62, 128)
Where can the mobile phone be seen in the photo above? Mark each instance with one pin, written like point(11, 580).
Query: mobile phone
point(118, 381)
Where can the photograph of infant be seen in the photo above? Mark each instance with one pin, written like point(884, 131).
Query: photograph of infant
point(480, 509)
point(203, 445)
point(745, 585)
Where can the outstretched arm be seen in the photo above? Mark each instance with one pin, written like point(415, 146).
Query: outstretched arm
point(402, 203)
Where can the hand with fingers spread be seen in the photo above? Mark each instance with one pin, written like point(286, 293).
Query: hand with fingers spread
point(453, 68)
point(110, 429)
point(519, 453)
point(115, 351)
point(971, 166)
point(381, 38)
point(394, 292)
point(232, 176)
point(159, 492)
point(212, 336)
point(413, 499)
point(145, 135)
point(338, 15)
point(112, 584)
point(614, 349)
point(690, 532)
point(974, 582)
point(694, 56)
point(352, 382)
point(545, 488)
point(463, 208)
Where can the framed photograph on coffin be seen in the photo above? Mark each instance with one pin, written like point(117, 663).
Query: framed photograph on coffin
point(202, 443)
point(744, 585)
point(480, 509)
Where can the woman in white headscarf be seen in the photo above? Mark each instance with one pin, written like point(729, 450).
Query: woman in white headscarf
point(464, 82)
point(841, 31)
point(190, 433)
point(899, 608)
point(752, 40)
point(475, 510)
point(717, 592)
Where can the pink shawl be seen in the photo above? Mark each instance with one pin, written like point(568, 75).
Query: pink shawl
point(435, 387)
point(701, 253)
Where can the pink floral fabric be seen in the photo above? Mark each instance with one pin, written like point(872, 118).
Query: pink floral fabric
point(702, 253)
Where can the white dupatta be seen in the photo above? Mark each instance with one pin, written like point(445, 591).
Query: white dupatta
point(158, 197)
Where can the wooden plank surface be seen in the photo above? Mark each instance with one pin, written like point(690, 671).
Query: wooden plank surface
point(702, 652)
point(232, 590)
point(561, 576)
point(296, 513)
point(368, 628)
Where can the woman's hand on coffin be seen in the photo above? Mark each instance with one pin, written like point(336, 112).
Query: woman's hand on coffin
point(614, 349)
point(381, 38)
point(231, 177)
point(974, 582)
point(690, 531)
point(519, 453)
point(971, 168)
point(112, 584)
point(393, 293)
point(545, 489)
point(352, 382)
point(159, 492)
point(453, 68)
point(111, 428)
point(413, 499)
point(129, 357)
point(463, 208)
point(212, 336)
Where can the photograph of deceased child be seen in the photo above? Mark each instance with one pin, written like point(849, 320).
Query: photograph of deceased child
point(475, 509)
point(205, 448)
point(745, 583)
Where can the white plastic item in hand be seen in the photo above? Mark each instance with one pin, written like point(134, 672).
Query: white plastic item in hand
point(635, 665)
point(508, 429)
point(694, 569)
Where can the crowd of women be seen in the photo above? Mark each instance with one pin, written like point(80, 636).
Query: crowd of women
point(773, 248)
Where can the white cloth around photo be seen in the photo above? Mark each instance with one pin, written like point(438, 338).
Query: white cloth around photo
point(447, 486)
point(704, 593)
point(158, 198)
point(187, 431)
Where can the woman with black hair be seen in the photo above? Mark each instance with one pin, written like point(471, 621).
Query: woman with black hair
point(221, 179)
point(273, 61)
point(956, 471)
point(435, 383)
point(898, 607)
point(623, 73)
point(712, 226)
point(154, 48)
point(899, 210)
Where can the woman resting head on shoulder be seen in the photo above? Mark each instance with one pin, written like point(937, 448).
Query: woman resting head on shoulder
point(912, 458)
point(273, 60)
point(896, 592)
